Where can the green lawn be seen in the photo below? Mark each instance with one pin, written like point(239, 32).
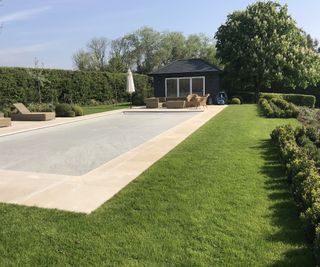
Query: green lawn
point(102, 108)
point(218, 199)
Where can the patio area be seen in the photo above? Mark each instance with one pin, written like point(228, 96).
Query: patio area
point(52, 176)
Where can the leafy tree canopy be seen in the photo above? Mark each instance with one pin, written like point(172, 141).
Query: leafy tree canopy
point(263, 45)
point(144, 50)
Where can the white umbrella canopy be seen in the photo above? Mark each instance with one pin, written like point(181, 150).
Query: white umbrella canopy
point(130, 83)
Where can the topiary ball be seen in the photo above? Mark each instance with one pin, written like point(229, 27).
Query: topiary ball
point(63, 110)
point(70, 113)
point(77, 110)
point(235, 101)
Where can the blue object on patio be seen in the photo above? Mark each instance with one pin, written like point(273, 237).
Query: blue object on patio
point(222, 98)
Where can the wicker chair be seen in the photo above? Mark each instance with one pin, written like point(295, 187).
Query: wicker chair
point(203, 100)
point(192, 100)
point(153, 102)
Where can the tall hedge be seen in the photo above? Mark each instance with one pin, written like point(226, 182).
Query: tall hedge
point(67, 86)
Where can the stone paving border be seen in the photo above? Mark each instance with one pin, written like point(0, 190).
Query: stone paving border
point(87, 192)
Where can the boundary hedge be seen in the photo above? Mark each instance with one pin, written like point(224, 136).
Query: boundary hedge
point(67, 86)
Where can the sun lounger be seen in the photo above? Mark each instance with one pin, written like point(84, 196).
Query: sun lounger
point(4, 122)
point(25, 114)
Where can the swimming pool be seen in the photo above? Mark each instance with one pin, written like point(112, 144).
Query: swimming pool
point(79, 147)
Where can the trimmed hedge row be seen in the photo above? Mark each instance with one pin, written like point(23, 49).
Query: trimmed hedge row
point(278, 108)
point(299, 100)
point(66, 86)
point(303, 175)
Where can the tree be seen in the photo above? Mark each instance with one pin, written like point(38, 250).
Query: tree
point(201, 46)
point(83, 60)
point(95, 58)
point(98, 48)
point(144, 50)
point(122, 53)
point(172, 47)
point(116, 65)
point(263, 45)
point(147, 44)
point(313, 43)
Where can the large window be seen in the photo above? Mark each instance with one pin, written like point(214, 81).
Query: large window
point(181, 87)
point(184, 87)
point(198, 86)
point(172, 87)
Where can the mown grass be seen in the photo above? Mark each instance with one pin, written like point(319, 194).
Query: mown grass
point(218, 199)
point(102, 108)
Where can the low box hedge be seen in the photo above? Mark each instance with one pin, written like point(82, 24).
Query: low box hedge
point(78, 111)
point(64, 110)
point(278, 108)
point(303, 175)
point(297, 99)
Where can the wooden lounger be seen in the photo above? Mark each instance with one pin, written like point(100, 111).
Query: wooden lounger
point(25, 114)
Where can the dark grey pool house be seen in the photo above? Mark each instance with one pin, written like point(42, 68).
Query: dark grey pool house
point(187, 76)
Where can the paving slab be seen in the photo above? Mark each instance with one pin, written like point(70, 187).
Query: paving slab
point(85, 193)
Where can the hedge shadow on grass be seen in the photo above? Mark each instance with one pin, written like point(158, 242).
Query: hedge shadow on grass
point(285, 215)
point(260, 111)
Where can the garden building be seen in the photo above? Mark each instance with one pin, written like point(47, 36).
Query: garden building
point(187, 76)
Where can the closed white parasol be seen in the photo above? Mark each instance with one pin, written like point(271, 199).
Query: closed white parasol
point(130, 85)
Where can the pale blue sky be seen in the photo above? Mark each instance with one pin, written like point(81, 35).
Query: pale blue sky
point(53, 30)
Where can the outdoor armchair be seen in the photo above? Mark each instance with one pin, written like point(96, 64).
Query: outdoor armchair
point(152, 102)
point(192, 100)
point(203, 100)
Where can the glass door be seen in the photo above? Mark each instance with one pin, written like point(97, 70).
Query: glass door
point(184, 87)
point(171, 85)
point(198, 86)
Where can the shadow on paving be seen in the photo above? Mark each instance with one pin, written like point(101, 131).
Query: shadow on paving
point(285, 215)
